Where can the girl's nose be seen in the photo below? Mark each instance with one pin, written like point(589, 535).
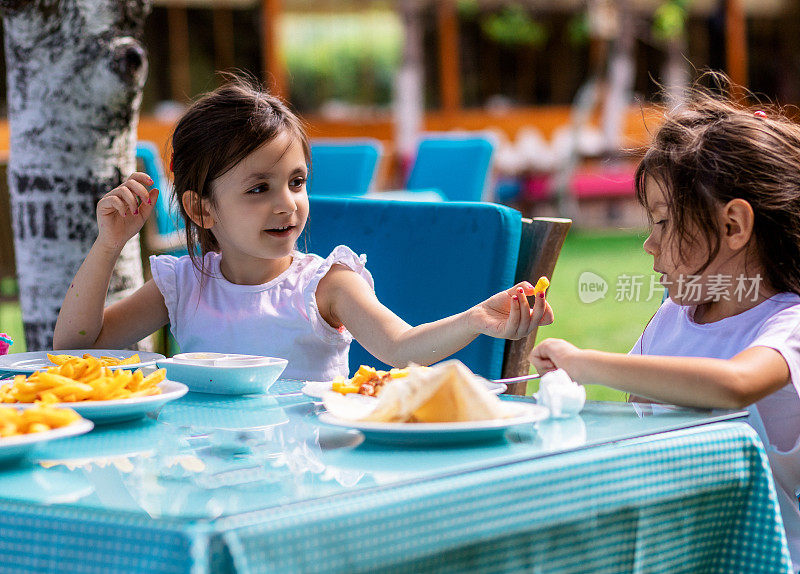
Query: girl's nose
point(285, 203)
point(650, 245)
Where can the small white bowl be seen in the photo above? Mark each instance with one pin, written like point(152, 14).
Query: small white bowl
point(224, 373)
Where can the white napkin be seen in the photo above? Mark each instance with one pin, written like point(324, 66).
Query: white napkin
point(560, 394)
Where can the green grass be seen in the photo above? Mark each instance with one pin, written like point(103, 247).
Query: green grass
point(607, 324)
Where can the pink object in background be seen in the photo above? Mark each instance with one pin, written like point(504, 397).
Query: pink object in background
point(5, 343)
point(536, 187)
point(604, 183)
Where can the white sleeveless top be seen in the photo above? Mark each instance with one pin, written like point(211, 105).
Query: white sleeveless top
point(773, 323)
point(276, 319)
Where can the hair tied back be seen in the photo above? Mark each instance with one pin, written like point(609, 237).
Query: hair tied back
point(760, 114)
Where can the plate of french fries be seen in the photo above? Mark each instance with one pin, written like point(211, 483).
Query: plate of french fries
point(27, 363)
point(22, 429)
point(94, 391)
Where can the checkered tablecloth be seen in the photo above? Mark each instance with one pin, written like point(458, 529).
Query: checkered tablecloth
point(693, 500)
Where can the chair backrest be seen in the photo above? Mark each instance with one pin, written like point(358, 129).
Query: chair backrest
point(430, 260)
point(457, 166)
point(539, 247)
point(343, 168)
point(167, 219)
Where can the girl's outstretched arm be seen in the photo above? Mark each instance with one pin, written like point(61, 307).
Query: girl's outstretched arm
point(344, 298)
point(83, 322)
point(690, 381)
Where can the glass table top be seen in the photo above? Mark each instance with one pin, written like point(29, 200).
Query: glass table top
point(208, 456)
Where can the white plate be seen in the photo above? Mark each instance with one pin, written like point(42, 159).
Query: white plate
point(316, 389)
point(439, 433)
point(27, 363)
point(17, 446)
point(121, 409)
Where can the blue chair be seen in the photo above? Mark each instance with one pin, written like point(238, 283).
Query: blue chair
point(343, 168)
point(169, 224)
point(430, 260)
point(457, 166)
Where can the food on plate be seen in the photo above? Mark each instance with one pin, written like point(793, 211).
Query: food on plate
point(41, 418)
point(104, 361)
point(80, 380)
point(447, 392)
point(541, 285)
point(368, 381)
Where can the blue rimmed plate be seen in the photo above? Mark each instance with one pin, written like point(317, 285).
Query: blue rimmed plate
point(440, 433)
point(104, 412)
point(14, 447)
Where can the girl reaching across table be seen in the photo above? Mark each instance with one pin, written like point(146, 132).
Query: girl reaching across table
point(241, 159)
point(721, 185)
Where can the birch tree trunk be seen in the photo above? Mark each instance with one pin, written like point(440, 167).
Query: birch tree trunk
point(75, 70)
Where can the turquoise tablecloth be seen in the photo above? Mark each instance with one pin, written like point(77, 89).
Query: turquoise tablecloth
point(255, 484)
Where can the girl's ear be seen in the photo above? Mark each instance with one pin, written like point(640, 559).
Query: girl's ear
point(737, 223)
point(197, 209)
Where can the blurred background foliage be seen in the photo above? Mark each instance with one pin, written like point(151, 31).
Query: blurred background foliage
point(351, 57)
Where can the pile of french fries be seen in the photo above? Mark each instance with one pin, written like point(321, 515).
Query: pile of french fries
point(104, 361)
point(78, 379)
point(41, 418)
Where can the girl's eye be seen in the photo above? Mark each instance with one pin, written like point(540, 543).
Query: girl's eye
point(263, 188)
point(297, 182)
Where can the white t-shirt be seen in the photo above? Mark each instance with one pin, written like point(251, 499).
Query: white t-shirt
point(276, 319)
point(774, 323)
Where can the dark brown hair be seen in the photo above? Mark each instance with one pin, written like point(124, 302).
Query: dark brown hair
point(712, 150)
point(218, 131)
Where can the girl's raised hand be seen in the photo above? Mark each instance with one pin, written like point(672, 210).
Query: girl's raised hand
point(508, 315)
point(121, 212)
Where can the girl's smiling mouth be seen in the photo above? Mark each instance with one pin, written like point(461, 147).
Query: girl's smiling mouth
point(280, 231)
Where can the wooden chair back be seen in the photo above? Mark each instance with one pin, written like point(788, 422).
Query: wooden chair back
point(540, 246)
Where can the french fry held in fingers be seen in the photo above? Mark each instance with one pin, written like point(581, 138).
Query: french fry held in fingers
point(14, 422)
point(79, 380)
point(541, 285)
point(104, 361)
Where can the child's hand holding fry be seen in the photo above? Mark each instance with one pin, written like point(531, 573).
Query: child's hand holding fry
point(508, 315)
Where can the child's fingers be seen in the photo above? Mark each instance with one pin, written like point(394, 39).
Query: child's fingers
point(524, 326)
point(512, 323)
point(127, 196)
point(541, 361)
point(548, 317)
point(138, 190)
point(112, 203)
point(146, 207)
point(142, 178)
point(526, 287)
point(540, 310)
